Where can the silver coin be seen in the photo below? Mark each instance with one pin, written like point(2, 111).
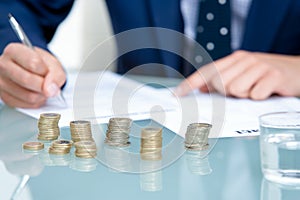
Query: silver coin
point(118, 130)
point(196, 137)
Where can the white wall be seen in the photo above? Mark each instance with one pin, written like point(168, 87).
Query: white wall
point(87, 25)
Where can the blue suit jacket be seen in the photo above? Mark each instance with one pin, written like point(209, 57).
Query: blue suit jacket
point(272, 26)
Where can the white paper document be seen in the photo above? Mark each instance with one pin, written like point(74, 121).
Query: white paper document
point(232, 117)
point(100, 95)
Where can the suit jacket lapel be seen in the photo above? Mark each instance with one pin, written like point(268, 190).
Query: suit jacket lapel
point(166, 13)
point(264, 19)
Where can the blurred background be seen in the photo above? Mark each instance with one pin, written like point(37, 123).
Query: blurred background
point(87, 25)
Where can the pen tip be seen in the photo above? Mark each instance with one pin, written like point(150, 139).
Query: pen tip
point(9, 15)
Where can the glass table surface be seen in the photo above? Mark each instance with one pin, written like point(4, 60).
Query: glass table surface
point(230, 169)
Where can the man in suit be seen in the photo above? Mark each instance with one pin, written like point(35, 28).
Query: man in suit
point(265, 60)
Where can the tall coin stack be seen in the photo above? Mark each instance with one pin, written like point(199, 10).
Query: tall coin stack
point(196, 137)
point(85, 149)
point(60, 147)
point(48, 126)
point(151, 143)
point(117, 133)
point(81, 131)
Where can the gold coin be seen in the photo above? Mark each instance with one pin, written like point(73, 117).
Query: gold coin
point(50, 115)
point(58, 152)
point(151, 132)
point(33, 146)
point(151, 143)
point(47, 138)
point(48, 126)
point(85, 144)
point(62, 143)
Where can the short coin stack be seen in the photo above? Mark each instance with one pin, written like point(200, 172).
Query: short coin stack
point(33, 146)
point(118, 132)
point(151, 143)
point(81, 131)
point(48, 126)
point(196, 137)
point(60, 147)
point(85, 149)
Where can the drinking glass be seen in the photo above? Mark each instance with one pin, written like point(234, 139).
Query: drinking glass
point(280, 147)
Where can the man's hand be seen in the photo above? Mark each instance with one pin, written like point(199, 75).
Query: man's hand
point(247, 75)
point(28, 77)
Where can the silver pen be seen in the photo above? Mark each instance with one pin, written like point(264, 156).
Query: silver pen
point(22, 184)
point(24, 39)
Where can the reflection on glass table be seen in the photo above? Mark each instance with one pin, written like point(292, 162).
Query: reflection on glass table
point(276, 191)
point(231, 170)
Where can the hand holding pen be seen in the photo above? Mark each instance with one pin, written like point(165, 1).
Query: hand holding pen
point(28, 76)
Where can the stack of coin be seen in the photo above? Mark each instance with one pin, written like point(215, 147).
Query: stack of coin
point(33, 146)
point(60, 147)
point(196, 137)
point(151, 143)
point(117, 133)
point(48, 126)
point(85, 149)
point(81, 131)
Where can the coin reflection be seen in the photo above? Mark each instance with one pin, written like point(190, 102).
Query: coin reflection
point(151, 181)
point(117, 159)
point(83, 164)
point(198, 162)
